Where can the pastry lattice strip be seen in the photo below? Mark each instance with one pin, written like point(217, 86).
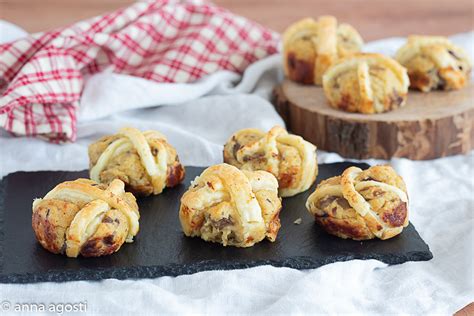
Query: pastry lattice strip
point(156, 167)
point(227, 189)
point(95, 203)
point(268, 146)
point(349, 190)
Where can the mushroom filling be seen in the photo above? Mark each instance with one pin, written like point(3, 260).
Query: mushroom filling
point(387, 205)
point(218, 230)
point(334, 206)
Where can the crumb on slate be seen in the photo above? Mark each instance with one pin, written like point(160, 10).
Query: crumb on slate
point(297, 221)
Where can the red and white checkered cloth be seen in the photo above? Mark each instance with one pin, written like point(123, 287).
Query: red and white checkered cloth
point(42, 76)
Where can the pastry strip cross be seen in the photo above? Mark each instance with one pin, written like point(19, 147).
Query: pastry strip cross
point(95, 203)
point(155, 166)
point(350, 188)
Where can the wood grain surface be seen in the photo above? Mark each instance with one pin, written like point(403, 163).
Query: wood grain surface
point(430, 125)
point(374, 19)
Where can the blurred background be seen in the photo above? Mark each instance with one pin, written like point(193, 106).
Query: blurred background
point(374, 19)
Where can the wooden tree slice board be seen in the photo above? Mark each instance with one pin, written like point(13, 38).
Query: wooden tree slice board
point(430, 125)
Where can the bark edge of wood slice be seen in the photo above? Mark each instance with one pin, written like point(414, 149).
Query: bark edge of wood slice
point(430, 125)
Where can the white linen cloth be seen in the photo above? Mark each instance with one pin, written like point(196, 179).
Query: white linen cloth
point(198, 118)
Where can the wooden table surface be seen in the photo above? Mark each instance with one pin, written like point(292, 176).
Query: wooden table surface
point(374, 19)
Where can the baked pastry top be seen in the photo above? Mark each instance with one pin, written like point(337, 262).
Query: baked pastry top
point(231, 207)
point(366, 83)
point(361, 204)
point(144, 161)
point(87, 218)
point(310, 47)
point(433, 62)
point(290, 158)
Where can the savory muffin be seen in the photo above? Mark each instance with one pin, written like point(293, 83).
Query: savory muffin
point(231, 207)
point(87, 218)
point(310, 47)
point(366, 83)
point(290, 158)
point(433, 62)
point(145, 162)
point(361, 204)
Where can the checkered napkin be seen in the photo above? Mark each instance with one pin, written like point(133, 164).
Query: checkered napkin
point(42, 75)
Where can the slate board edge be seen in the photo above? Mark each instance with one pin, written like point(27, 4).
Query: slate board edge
point(299, 263)
point(2, 220)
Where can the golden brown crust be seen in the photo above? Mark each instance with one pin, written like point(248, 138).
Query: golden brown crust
point(83, 217)
point(290, 158)
point(50, 221)
point(310, 47)
point(361, 204)
point(232, 207)
point(433, 62)
point(366, 83)
point(109, 236)
point(145, 167)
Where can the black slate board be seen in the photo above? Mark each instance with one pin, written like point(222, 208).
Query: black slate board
point(161, 248)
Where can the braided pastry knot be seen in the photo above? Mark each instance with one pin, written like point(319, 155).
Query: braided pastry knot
point(146, 162)
point(310, 47)
point(232, 207)
point(366, 83)
point(361, 204)
point(87, 218)
point(433, 62)
point(290, 158)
